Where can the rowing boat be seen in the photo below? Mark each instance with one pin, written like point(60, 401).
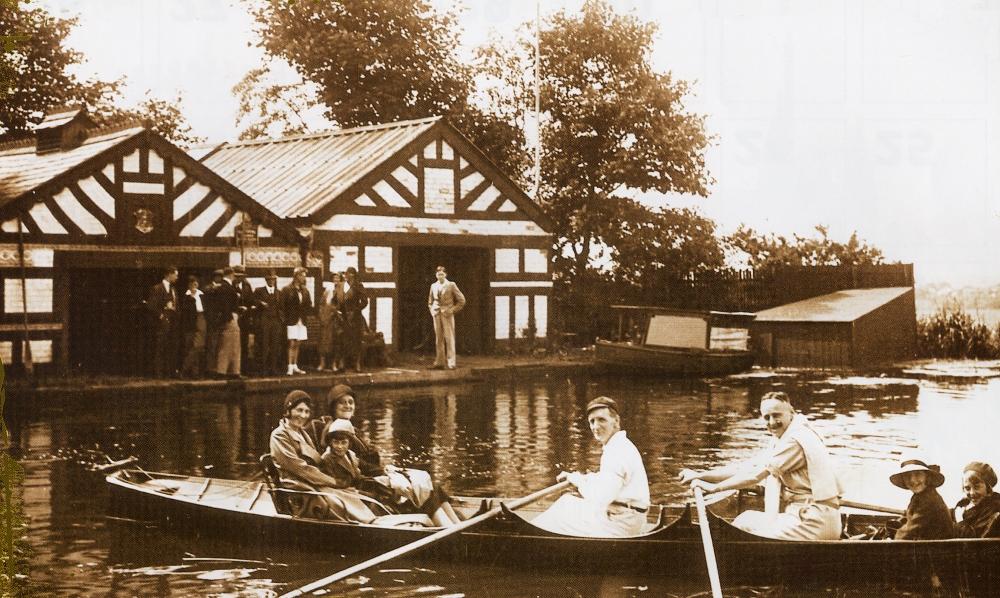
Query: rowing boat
point(675, 343)
point(670, 544)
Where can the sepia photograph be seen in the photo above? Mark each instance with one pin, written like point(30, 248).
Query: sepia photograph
point(536, 298)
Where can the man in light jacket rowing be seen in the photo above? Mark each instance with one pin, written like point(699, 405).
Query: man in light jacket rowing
point(613, 501)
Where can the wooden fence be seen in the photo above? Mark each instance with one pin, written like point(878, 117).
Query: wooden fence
point(745, 290)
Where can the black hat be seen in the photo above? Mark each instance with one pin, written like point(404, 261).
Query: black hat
point(295, 397)
point(239, 269)
point(601, 402)
point(984, 471)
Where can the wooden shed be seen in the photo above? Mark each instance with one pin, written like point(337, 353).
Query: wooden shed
point(849, 329)
point(89, 217)
point(397, 200)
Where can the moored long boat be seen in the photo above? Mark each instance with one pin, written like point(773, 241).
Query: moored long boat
point(670, 545)
point(670, 362)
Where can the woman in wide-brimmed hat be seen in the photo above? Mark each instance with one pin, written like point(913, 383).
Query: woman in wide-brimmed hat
point(978, 512)
point(413, 485)
point(927, 516)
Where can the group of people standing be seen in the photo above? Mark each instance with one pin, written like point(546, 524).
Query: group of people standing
point(208, 331)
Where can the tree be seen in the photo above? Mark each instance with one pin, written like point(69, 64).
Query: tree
point(34, 77)
point(272, 108)
point(374, 61)
point(770, 251)
point(160, 116)
point(612, 125)
point(34, 67)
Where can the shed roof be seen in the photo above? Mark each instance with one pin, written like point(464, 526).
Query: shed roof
point(22, 170)
point(295, 176)
point(842, 306)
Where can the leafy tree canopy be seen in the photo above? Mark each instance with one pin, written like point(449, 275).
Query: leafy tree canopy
point(34, 77)
point(375, 61)
point(611, 126)
point(369, 62)
point(769, 251)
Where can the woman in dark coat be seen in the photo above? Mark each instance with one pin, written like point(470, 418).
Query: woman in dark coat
point(331, 323)
point(294, 304)
point(976, 515)
point(355, 300)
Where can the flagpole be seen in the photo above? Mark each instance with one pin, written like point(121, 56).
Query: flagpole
point(538, 100)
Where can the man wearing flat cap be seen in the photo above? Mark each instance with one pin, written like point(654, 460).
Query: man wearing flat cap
point(613, 501)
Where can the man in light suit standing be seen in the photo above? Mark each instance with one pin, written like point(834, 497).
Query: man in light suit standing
point(444, 301)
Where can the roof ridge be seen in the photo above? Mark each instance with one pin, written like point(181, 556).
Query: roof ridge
point(337, 132)
point(95, 135)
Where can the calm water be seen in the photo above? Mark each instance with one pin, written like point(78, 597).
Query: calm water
point(507, 438)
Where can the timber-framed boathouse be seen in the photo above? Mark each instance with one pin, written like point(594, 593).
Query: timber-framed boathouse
point(89, 217)
point(396, 200)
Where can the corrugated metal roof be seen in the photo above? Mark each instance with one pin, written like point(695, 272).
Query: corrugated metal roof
point(842, 306)
point(296, 176)
point(21, 169)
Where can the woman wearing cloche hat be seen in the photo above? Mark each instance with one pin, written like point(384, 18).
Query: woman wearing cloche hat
point(977, 514)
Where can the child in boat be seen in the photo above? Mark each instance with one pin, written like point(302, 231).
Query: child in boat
point(977, 513)
point(343, 464)
point(927, 516)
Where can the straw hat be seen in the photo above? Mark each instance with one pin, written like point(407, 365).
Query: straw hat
point(934, 476)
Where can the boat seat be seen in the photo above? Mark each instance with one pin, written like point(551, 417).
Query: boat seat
point(404, 520)
point(272, 478)
point(993, 529)
point(164, 486)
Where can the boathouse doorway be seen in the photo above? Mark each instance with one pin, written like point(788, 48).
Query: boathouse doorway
point(469, 268)
point(110, 329)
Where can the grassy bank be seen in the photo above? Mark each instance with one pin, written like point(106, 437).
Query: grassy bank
point(951, 332)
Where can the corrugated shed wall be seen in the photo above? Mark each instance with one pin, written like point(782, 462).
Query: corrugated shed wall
point(887, 334)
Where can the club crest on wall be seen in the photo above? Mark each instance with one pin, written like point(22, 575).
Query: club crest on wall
point(144, 220)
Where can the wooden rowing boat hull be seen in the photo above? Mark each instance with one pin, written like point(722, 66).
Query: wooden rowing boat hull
point(669, 362)
point(243, 512)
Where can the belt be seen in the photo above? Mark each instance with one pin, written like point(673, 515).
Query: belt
point(628, 506)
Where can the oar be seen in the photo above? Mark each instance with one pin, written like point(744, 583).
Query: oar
point(425, 541)
point(868, 507)
point(706, 541)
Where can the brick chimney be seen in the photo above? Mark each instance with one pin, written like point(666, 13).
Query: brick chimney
point(62, 129)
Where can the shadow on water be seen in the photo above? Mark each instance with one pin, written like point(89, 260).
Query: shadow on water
point(507, 437)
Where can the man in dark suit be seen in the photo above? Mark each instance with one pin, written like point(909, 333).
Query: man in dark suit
point(246, 319)
point(213, 321)
point(227, 301)
point(269, 338)
point(162, 306)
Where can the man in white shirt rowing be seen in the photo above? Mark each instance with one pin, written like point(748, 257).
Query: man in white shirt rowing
point(613, 501)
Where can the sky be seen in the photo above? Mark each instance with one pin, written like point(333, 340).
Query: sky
point(875, 116)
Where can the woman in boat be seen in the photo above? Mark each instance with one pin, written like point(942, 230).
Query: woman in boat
point(413, 485)
point(799, 472)
point(927, 516)
point(313, 493)
point(976, 514)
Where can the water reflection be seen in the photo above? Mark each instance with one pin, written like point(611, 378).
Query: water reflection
point(506, 438)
